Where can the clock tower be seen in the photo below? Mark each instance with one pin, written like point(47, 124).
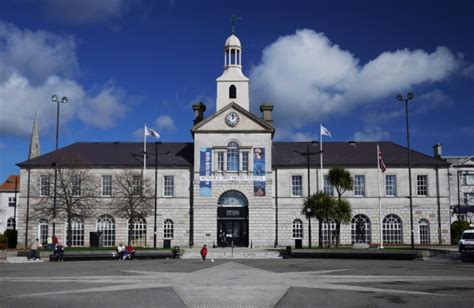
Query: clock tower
point(232, 85)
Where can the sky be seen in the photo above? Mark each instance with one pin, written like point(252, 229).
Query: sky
point(124, 63)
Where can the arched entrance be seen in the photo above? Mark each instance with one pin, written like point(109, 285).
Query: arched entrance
point(232, 220)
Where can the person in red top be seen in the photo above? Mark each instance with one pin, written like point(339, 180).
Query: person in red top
point(204, 253)
point(131, 252)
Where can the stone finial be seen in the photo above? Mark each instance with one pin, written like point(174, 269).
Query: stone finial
point(266, 110)
point(437, 150)
point(199, 109)
point(35, 142)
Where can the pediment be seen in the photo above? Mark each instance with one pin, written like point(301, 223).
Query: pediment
point(248, 122)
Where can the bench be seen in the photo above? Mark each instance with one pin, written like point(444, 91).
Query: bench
point(109, 256)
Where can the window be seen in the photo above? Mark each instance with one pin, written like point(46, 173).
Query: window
point(11, 223)
point(328, 188)
point(11, 201)
point(106, 225)
point(106, 185)
point(169, 186)
point(245, 161)
point(469, 179)
point(138, 234)
point(468, 198)
point(360, 229)
point(329, 232)
point(168, 229)
point(76, 185)
point(359, 185)
point(232, 92)
point(391, 185)
point(137, 185)
point(45, 184)
point(43, 232)
point(77, 231)
point(297, 229)
point(233, 156)
point(220, 161)
point(297, 185)
point(422, 185)
point(424, 232)
point(392, 229)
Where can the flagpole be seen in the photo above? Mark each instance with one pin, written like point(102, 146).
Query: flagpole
point(144, 151)
point(321, 177)
point(380, 199)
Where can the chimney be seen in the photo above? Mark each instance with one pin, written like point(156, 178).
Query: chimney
point(199, 109)
point(266, 110)
point(437, 150)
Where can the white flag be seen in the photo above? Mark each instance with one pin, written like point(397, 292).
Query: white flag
point(151, 132)
point(325, 131)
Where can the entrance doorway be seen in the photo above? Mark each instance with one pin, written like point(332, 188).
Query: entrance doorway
point(232, 220)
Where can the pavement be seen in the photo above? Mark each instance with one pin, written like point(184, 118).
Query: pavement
point(239, 283)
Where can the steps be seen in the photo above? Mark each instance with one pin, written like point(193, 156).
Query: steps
point(228, 253)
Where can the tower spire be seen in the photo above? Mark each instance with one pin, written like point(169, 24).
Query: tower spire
point(34, 142)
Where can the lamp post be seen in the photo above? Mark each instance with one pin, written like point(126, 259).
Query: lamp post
point(308, 213)
point(156, 192)
point(406, 99)
point(58, 101)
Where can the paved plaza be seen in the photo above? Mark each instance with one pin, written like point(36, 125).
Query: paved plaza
point(238, 283)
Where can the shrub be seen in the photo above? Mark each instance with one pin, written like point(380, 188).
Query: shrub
point(457, 229)
point(3, 238)
point(12, 236)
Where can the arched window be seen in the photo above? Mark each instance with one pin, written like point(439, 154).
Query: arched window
point(138, 233)
point(106, 225)
point(43, 231)
point(392, 229)
point(424, 232)
point(329, 232)
point(297, 229)
point(233, 156)
point(233, 198)
point(232, 91)
point(360, 229)
point(11, 223)
point(168, 229)
point(77, 231)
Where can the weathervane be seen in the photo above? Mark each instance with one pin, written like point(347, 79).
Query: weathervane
point(234, 20)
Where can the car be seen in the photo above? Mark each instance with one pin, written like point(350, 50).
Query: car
point(467, 240)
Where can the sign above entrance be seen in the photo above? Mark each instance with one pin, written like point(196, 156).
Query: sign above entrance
point(223, 178)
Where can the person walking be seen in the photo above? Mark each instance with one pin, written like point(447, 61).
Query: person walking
point(203, 253)
point(34, 250)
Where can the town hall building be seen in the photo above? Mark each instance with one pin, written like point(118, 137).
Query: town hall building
point(234, 185)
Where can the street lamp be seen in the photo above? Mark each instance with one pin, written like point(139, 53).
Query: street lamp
point(58, 101)
point(308, 213)
point(406, 99)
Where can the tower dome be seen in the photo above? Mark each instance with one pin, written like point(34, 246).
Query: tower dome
point(233, 41)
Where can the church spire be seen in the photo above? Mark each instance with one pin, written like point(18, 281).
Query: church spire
point(34, 143)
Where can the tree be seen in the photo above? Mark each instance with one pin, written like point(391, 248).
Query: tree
point(342, 181)
point(322, 207)
point(132, 197)
point(76, 195)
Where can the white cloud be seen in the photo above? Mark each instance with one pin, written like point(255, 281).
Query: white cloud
point(371, 134)
point(307, 77)
point(165, 123)
point(86, 11)
point(469, 71)
point(26, 84)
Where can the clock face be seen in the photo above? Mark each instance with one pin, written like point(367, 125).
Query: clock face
point(232, 119)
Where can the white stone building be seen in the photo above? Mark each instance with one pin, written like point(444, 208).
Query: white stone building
point(235, 185)
point(8, 194)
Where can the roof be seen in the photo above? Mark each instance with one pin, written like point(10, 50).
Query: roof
point(232, 41)
point(181, 154)
point(108, 154)
point(9, 184)
point(362, 154)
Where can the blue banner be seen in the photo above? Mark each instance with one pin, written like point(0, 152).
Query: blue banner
point(205, 167)
point(259, 170)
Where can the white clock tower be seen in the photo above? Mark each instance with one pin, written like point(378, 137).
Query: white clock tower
point(232, 85)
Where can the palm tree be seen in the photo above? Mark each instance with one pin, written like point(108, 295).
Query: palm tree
point(342, 181)
point(322, 207)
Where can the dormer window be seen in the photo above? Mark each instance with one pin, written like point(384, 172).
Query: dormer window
point(232, 91)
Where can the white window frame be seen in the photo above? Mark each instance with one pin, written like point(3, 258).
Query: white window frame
point(43, 225)
point(106, 186)
point(245, 164)
point(327, 187)
point(393, 185)
point(424, 231)
point(106, 224)
point(220, 160)
point(298, 229)
point(75, 186)
point(166, 188)
point(469, 179)
point(419, 186)
point(168, 229)
point(468, 198)
point(137, 183)
point(358, 186)
point(45, 184)
point(233, 148)
point(292, 185)
point(11, 223)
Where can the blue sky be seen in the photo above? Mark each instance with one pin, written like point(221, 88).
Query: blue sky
point(125, 63)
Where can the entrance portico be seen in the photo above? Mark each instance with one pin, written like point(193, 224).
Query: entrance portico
point(232, 220)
